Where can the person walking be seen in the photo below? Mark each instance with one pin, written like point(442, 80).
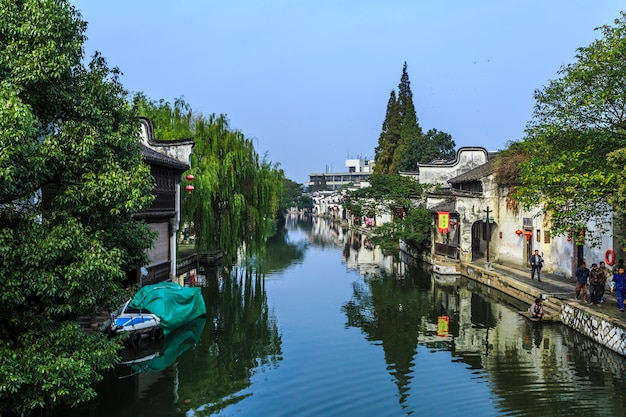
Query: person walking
point(596, 279)
point(620, 287)
point(536, 262)
point(608, 281)
point(582, 275)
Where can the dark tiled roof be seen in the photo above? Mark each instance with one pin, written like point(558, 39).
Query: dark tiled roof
point(447, 205)
point(155, 158)
point(474, 174)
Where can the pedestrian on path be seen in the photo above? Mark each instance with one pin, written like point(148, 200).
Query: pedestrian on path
point(596, 279)
point(582, 275)
point(608, 280)
point(536, 262)
point(620, 287)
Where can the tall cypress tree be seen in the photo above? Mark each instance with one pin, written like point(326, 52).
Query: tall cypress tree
point(389, 137)
point(400, 129)
point(410, 129)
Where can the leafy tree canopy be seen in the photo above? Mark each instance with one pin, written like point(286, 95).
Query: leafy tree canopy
point(397, 194)
point(432, 145)
point(237, 193)
point(402, 144)
point(293, 197)
point(575, 141)
point(71, 176)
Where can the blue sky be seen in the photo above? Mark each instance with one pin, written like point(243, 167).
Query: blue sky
point(309, 80)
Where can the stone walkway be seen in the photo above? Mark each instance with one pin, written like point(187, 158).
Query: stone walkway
point(560, 287)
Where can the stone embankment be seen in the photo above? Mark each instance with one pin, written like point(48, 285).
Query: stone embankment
point(604, 324)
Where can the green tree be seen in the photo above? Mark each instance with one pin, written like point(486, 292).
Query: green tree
point(389, 137)
point(402, 145)
point(291, 194)
point(410, 131)
point(411, 222)
point(237, 193)
point(71, 176)
point(432, 145)
point(577, 136)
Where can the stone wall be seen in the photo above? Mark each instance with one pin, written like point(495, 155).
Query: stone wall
point(602, 329)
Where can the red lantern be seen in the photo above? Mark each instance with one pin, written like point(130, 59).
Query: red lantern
point(518, 232)
point(189, 177)
point(189, 188)
point(528, 234)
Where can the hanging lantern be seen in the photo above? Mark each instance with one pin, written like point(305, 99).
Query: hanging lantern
point(189, 188)
point(518, 232)
point(528, 234)
point(189, 177)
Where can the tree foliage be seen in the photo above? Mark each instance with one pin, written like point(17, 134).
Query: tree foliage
point(237, 193)
point(389, 137)
point(410, 131)
point(402, 144)
point(424, 149)
point(292, 196)
point(71, 176)
point(412, 223)
point(577, 136)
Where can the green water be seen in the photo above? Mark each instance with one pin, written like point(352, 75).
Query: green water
point(328, 331)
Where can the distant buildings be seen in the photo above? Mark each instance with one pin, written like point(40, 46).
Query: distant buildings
point(359, 171)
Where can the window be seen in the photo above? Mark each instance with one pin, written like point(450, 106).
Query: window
point(546, 236)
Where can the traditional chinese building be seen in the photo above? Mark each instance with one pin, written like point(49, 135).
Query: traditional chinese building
point(168, 159)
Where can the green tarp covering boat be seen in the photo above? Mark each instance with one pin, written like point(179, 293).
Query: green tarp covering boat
point(174, 304)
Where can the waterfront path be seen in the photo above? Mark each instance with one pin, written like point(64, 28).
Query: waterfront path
point(604, 323)
point(562, 288)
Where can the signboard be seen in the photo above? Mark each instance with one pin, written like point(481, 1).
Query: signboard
point(443, 222)
point(443, 323)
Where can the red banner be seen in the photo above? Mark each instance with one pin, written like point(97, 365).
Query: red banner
point(443, 222)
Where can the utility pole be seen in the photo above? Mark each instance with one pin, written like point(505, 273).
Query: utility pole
point(487, 211)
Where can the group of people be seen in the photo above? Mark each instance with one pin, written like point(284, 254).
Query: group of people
point(592, 281)
point(597, 279)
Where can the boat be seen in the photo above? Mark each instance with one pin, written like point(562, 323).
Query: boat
point(446, 268)
point(161, 356)
point(157, 309)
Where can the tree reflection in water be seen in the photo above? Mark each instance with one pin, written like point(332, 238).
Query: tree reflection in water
point(242, 339)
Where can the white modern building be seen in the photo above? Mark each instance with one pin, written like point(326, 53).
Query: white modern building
point(358, 173)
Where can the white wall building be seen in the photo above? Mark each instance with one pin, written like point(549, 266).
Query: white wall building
point(510, 234)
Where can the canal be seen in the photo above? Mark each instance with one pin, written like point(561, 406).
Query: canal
point(328, 330)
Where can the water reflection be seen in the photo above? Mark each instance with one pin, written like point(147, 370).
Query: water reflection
point(393, 312)
point(243, 339)
point(348, 332)
point(283, 250)
point(207, 372)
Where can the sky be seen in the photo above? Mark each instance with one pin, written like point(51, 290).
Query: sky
point(308, 80)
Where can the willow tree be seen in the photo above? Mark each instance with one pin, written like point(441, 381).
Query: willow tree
point(237, 193)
